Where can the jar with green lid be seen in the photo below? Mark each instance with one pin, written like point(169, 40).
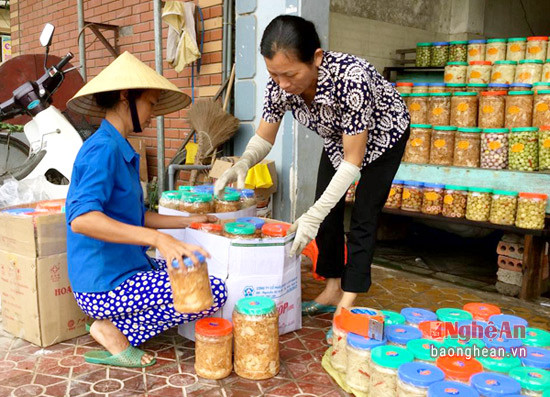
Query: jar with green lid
point(197, 203)
point(452, 88)
point(519, 109)
point(537, 338)
point(452, 315)
point(541, 86)
point(523, 153)
point(386, 361)
point(422, 349)
point(501, 365)
point(442, 145)
point(531, 210)
point(421, 88)
point(478, 207)
point(228, 202)
point(191, 285)
point(417, 150)
point(503, 72)
point(170, 199)
point(467, 147)
point(464, 107)
point(536, 48)
point(495, 50)
point(494, 148)
point(479, 72)
point(418, 108)
point(439, 108)
point(476, 50)
point(391, 317)
point(423, 54)
point(544, 148)
point(434, 88)
point(529, 71)
point(546, 72)
point(256, 333)
point(475, 87)
point(454, 201)
point(515, 49)
point(358, 361)
point(503, 207)
point(439, 55)
point(239, 230)
point(533, 381)
point(455, 72)
point(541, 109)
point(492, 109)
point(458, 51)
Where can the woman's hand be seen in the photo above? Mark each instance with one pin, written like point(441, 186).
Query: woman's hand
point(171, 249)
point(202, 219)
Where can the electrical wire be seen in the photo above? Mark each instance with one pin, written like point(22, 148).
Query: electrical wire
point(525, 17)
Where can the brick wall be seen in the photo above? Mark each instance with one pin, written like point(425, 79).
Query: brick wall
point(135, 18)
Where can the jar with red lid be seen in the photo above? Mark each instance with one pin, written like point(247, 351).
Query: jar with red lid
point(459, 368)
point(212, 228)
point(479, 72)
point(213, 348)
point(275, 230)
point(536, 47)
point(404, 87)
point(531, 210)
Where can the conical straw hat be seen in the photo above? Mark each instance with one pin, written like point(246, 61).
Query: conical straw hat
point(125, 73)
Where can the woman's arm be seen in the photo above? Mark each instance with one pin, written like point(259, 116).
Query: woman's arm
point(355, 147)
point(157, 221)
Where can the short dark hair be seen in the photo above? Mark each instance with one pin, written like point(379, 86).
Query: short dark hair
point(109, 99)
point(292, 34)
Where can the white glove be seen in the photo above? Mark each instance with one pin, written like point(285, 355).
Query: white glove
point(307, 226)
point(255, 151)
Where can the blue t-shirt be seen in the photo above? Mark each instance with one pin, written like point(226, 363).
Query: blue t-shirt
point(106, 179)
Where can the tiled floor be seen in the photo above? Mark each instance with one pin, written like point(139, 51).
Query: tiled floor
point(60, 370)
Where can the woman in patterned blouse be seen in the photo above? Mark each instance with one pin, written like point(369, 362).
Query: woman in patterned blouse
point(364, 124)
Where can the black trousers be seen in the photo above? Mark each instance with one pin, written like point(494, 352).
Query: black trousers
point(370, 196)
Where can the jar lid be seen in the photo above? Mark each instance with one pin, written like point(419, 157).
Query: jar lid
point(465, 93)
point(404, 94)
point(536, 357)
point(525, 129)
point(469, 129)
point(455, 85)
point(421, 126)
point(188, 262)
point(420, 374)
point(531, 378)
point(257, 222)
point(472, 329)
point(213, 326)
point(440, 94)
point(417, 94)
point(401, 334)
point(444, 128)
point(209, 227)
point(204, 188)
point(197, 198)
point(510, 320)
point(457, 63)
point(240, 228)
point(424, 44)
point(185, 188)
point(477, 85)
point(436, 329)
point(397, 182)
point(524, 85)
point(255, 306)
point(520, 92)
point(477, 41)
point(493, 93)
point(505, 63)
point(495, 384)
point(533, 196)
point(437, 84)
point(421, 348)
point(434, 185)
point(505, 193)
point(413, 183)
point(421, 84)
point(275, 229)
point(391, 317)
point(459, 367)
point(538, 61)
point(360, 342)
point(496, 363)
point(454, 389)
point(456, 187)
point(496, 130)
point(440, 43)
point(480, 190)
point(480, 62)
point(496, 41)
point(16, 211)
point(545, 128)
point(405, 84)
point(391, 356)
point(451, 314)
point(462, 341)
point(459, 42)
point(537, 38)
point(517, 39)
point(498, 85)
point(536, 337)
point(544, 92)
point(171, 195)
point(230, 196)
point(417, 315)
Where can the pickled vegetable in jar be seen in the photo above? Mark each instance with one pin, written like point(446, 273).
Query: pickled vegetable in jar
point(541, 109)
point(519, 109)
point(248, 198)
point(523, 153)
point(498, 87)
point(417, 149)
point(432, 200)
point(439, 53)
point(405, 98)
point(421, 88)
point(495, 50)
point(455, 72)
point(256, 330)
point(228, 202)
point(503, 72)
point(275, 230)
point(454, 201)
point(418, 108)
point(239, 230)
point(476, 50)
point(536, 47)
point(531, 210)
point(170, 199)
point(395, 195)
point(458, 51)
point(423, 51)
point(358, 363)
point(441, 150)
point(257, 222)
point(478, 206)
point(404, 87)
point(546, 72)
point(412, 196)
point(540, 86)
point(515, 49)
point(400, 334)
point(415, 378)
point(495, 385)
point(467, 147)
point(529, 71)
point(464, 106)
point(492, 109)
point(503, 207)
point(415, 315)
point(385, 362)
point(544, 148)
point(452, 88)
point(434, 88)
point(521, 87)
point(533, 381)
point(191, 285)
point(459, 368)
point(212, 228)
point(213, 348)
point(339, 357)
point(439, 108)
point(479, 72)
point(479, 88)
point(197, 203)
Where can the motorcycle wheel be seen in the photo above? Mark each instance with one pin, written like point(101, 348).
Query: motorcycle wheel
point(13, 152)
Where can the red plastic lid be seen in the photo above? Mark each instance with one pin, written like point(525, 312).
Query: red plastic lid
point(459, 367)
point(339, 323)
point(481, 311)
point(480, 63)
point(51, 205)
point(404, 84)
point(437, 330)
point(492, 93)
point(208, 227)
point(275, 229)
point(537, 38)
point(544, 128)
point(212, 326)
point(534, 196)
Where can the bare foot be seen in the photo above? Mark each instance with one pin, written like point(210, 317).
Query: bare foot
point(332, 294)
point(110, 337)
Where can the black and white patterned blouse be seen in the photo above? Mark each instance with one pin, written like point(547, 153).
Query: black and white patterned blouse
point(351, 97)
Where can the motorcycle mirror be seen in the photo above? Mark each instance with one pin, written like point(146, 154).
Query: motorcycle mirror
point(47, 34)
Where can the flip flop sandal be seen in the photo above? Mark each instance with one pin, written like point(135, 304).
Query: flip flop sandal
point(311, 308)
point(328, 337)
point(129, 358)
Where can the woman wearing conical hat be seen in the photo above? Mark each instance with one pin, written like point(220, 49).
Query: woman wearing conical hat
point(113, 279)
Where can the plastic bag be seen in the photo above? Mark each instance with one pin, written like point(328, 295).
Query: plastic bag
point(14, 192)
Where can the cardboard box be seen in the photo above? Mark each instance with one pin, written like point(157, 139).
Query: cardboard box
point(223, 164)
point(139, 146)
point(37, 300)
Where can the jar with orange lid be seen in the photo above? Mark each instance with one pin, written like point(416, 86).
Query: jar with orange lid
point(519, 109)
point(545, 72)
point(503, 72)
point(495, 50)
point(492, 105)
point(442, 146)
point(494, 148)
point(541, 109)
point(432, 199)
point(464, 107)
point(531, 210)
point(257, 222)
point(396, 194)
point(454, 201)
point(191, 285)
point(338, 358)
point(404, 87)
point(482, 311)
point(536, 47)
point(529, 71)
point(459, 368)
point(212, 228)
point(544, 148)
point(418, 108)
point(467, 147)
point(52, 206)
point(479, 88)
point(213, 348)
point(417, 149)
point(523, 152)
point(476, 50)
point(439, 108)
point(275, 229)
point(515, 49)
point(479, 72)
point(455, 72)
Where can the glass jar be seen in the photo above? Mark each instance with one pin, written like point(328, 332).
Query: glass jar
point(503, 207)
point(459, 368)
point(494, 148)
point(531, 210)
point(515, 49)
point(502, 365)
point(338, 358)
point(476, 50)
point(495, 385)
point(248, 198)
point(537, 337)
point(519, 109)
point(546, 72)
point(422, 349)
point(439, 53)
point(213, 348)
point(479, 88)
point(458, 51)
point(257, 222)
point(256, 330)
point(492, 106)
point(358, 363)
point(404, 87)
point(536, 47)
point(412, 196)
point(536, 357)
point(478, 206)
point(467, 147)
point(405, 98)
point(482, 311)
point(521, 87)
point(541, 109)
point(544, 148)
point(391, 317)
point(228, 202)
point(400, 334)
point(454, 201)
point(533, 381)
point(540, 86)
point(197, 203)
point(395, 195)
point(439, 108)
point(415, 315)
point(523, 153)
point(529, 71)
point(423, 51)
point(498, 87)
point(170, 199)
point(479, 72)
point(432, 201)
point(385, 362)
point(434, 88)
point(452, 315)
point(441, 150)
point(242, 230)
point(191, 285)
point(495, 50)
point(420, 88)
point(275, 230)
point(414, 379)
point(464, 109)
point(452, 88)
point(418, 146)
point(212, 228)
point(418, 108)
point(503, 72)
point(455, 72)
